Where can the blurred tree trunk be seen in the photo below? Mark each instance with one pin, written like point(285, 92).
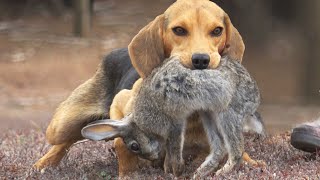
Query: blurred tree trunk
point(311, 24)
point(82, 17)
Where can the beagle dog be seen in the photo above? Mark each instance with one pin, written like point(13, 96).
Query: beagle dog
point(198, 31)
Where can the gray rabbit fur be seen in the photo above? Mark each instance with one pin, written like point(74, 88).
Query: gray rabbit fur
point(226, 99)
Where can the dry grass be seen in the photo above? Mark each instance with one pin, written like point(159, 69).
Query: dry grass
point(96, 160)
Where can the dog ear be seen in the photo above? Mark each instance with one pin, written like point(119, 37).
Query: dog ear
point(234, 46)
point(106, 129)
point(146, 48)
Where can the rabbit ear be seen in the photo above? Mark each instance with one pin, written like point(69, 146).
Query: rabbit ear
point(106, 129)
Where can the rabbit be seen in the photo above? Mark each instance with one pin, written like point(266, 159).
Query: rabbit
point(226, 99)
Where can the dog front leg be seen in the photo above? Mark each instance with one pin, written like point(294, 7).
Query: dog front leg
point(53, 156)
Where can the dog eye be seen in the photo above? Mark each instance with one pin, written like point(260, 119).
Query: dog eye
point(135, 147)
point(217, 31)
point(179, 31)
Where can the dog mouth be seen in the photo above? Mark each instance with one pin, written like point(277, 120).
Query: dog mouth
point(199, 61)
point(180, 58)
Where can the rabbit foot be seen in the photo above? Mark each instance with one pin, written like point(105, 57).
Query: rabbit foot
point(230, 164)
point(175, 167)
point(167, 166)
point(207, 167)
point(178, 168)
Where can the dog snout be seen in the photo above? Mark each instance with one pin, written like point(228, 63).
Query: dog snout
point(200, 61)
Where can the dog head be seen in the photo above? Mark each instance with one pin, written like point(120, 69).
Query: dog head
point(197, 31)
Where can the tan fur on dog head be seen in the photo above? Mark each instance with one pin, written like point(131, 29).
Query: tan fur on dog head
point(187, 27)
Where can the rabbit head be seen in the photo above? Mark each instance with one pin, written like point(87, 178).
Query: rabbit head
point(147, 147)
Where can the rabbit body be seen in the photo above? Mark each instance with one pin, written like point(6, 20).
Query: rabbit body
point(225, 98)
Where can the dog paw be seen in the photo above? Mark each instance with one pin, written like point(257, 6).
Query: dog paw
point(45, 162)
point(40, 166)
point(254, 163)
point(259, 163)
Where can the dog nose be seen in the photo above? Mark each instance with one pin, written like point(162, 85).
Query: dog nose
point(200, 61)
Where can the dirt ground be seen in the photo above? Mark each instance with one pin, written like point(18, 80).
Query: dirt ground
point(41, 62)
point(97, 160)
